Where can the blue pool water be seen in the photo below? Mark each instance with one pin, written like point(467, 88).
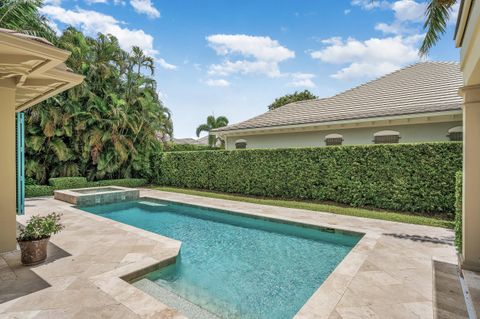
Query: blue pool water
point(236, 266)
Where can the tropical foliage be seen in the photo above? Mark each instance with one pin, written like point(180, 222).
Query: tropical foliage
point(290, 98)
point(437, 15)
point(105, 128)
point(212, 123)
point(23, 16)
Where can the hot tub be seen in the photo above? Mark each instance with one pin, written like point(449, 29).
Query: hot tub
point(97, 195)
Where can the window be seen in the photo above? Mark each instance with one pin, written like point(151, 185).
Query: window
point(240, 144)
point(455, 133)
point(333, 139)
point(386, 137)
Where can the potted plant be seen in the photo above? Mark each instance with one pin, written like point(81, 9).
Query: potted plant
point(34, 236)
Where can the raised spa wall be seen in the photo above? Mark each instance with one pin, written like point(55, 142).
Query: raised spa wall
point(111, 194)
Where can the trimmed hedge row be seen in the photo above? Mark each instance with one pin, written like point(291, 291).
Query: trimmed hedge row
point(38, 190)
point(78, 182)
point(189, 148)
point(402, 177)
point(458, 212)
point(68, 182)
point(126, 182)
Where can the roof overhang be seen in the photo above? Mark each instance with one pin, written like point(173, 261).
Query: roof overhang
point(467, 37)
point(437, 117)
point(34, 68)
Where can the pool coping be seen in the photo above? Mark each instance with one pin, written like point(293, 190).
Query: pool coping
point(321, 304)
point(115, 194)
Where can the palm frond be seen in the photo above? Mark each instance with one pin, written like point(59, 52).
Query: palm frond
point(437, 15)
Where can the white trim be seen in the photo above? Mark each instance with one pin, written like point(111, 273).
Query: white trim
point(456, 129)
point(386, 133)
point(445, 116)
point(333, 135)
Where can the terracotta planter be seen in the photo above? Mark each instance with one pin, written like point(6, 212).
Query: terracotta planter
point(34, 251)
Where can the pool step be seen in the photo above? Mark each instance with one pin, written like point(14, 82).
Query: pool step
point(151, 204)
point(172, 300)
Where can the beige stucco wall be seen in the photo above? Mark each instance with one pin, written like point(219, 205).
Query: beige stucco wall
point(469, 40)
point(432, 132)
point(7, 167)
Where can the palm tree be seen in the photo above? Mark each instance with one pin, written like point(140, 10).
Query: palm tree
point(23, 16)
point(437, 13)
point(212, 123)
point(107, 128)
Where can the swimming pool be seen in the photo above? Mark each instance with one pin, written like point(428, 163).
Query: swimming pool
point(236, 266)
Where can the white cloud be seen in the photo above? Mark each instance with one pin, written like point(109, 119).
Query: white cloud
point(409, 10)
point(346, 11)
point(164, 64)
point(255, 54)
point(93, 22)
point(53, 2)
point(369, 4)
point(302, 80)
point(268, 68)
point(145, 7)
point(217, 82)
point(96, 1)
point(409, 15)
point(370, 58)
point(261, 48)
point(386, 28)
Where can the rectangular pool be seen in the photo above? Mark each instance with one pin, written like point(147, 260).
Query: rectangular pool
point(236, 266)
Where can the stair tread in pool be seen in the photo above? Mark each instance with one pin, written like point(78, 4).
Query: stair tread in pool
point(171, 299)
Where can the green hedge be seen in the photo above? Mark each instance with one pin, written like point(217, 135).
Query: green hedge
point(78, 182)
point(458, 212)
point(38, 190)
point(68, 182)
point(189, 148)
point(402, 177)
point(127, 182)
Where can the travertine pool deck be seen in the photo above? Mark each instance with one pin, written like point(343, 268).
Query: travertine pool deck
point(396, 271)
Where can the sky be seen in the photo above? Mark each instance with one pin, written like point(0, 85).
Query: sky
point(234, 57)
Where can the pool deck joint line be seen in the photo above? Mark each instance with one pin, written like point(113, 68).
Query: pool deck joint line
point(388, 274)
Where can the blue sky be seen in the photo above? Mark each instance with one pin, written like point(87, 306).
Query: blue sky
point(234, 57)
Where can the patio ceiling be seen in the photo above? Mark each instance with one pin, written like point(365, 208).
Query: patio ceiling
point(35, 67)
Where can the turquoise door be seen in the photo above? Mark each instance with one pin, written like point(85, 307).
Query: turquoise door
point(20, 126)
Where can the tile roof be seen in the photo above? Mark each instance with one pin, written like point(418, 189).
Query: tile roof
point(425, 87)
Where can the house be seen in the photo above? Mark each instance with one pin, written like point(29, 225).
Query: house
point(467, 37)
point(419, 103)
point(31, 70)
point(192, 141)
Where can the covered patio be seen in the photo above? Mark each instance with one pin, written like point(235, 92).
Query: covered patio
point(31, 70)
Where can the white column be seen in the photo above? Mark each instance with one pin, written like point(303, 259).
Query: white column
point(471, 178)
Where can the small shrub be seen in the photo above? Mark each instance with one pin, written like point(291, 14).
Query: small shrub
point(38, 190)
point(128, 182)
point(68, 182)
point(458, 212)
point(40, 227)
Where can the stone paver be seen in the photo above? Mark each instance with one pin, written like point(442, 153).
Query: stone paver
point(388, 274)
